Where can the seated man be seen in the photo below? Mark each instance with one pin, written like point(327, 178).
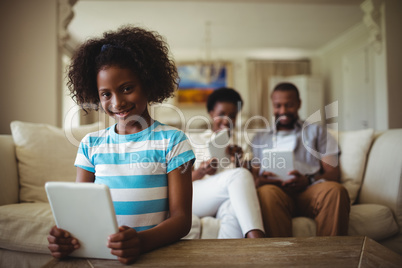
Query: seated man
point(313, 189)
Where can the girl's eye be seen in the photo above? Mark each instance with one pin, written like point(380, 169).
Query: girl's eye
point(127, 89)
point(105, 94)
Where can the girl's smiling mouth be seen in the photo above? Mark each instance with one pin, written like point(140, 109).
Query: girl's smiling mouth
point(123, 113)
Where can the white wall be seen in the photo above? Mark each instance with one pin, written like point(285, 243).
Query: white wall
point(29, 72)
point(385, 66)
point(28, 56)
point(331, 65)
point(238, 59)
point(381, 83)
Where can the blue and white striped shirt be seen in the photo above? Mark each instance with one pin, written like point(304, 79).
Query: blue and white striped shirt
point(135, 167)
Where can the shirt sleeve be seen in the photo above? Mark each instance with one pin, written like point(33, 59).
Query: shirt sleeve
point(82, 159)
point(179, 151)
point(327, 144)
point(260, 141)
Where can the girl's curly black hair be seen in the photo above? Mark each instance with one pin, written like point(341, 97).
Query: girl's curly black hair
point(145, 52)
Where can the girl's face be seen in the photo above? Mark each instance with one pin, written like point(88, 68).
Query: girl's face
point(122, 98)
point(223, 116)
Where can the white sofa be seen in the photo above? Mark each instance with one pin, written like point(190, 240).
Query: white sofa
point(36, 153)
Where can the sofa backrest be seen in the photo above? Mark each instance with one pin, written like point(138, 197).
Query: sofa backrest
point(382, 182)
point(8, 171)
point(45, 153)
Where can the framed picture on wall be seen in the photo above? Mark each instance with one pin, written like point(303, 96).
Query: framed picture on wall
point(199, 79)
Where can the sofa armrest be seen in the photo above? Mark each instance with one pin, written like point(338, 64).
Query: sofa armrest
point(382, 182)
point(8, 171)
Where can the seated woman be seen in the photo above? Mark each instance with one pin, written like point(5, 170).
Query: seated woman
point(232, 186)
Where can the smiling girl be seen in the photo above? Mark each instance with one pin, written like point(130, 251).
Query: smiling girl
point(146, 164)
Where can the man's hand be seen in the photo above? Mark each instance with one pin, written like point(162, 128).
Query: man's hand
point(125, 245)
point(267, 178)
point(208, 167)
point(298, 184)
point(61, 243)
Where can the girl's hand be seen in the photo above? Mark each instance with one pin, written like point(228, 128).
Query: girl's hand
point(125, 244)
point(61, 243)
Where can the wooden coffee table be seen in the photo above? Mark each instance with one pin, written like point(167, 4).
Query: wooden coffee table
point(273, 252)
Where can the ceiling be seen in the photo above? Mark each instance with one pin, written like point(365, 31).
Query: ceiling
point(236, 25)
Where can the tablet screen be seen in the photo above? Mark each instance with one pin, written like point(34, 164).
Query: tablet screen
point(279, 162)
point(86, 211)
point(217, 148)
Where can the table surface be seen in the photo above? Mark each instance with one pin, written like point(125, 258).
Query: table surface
point(342, 252)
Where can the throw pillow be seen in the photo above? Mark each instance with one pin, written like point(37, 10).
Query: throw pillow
point(354, 149)
point(45, 153)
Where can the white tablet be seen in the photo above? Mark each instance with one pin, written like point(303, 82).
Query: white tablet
point(277, 161)
point(217, 148)
point(86, 211)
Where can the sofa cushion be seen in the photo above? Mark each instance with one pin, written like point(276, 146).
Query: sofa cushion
point(303, 227)
point(210, 227)
point(195, 230)
point(45, 153)
point(355, 146)
point(25, 227)
point(372, 220)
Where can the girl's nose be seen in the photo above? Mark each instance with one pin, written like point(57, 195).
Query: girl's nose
point(118, 102)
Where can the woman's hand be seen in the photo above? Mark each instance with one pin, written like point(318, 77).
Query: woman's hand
point(61, 243)
point(125, 245)
point(236, 154)
point(208, 167)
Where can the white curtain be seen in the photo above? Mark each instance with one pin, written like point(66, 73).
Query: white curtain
point(259, 73)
